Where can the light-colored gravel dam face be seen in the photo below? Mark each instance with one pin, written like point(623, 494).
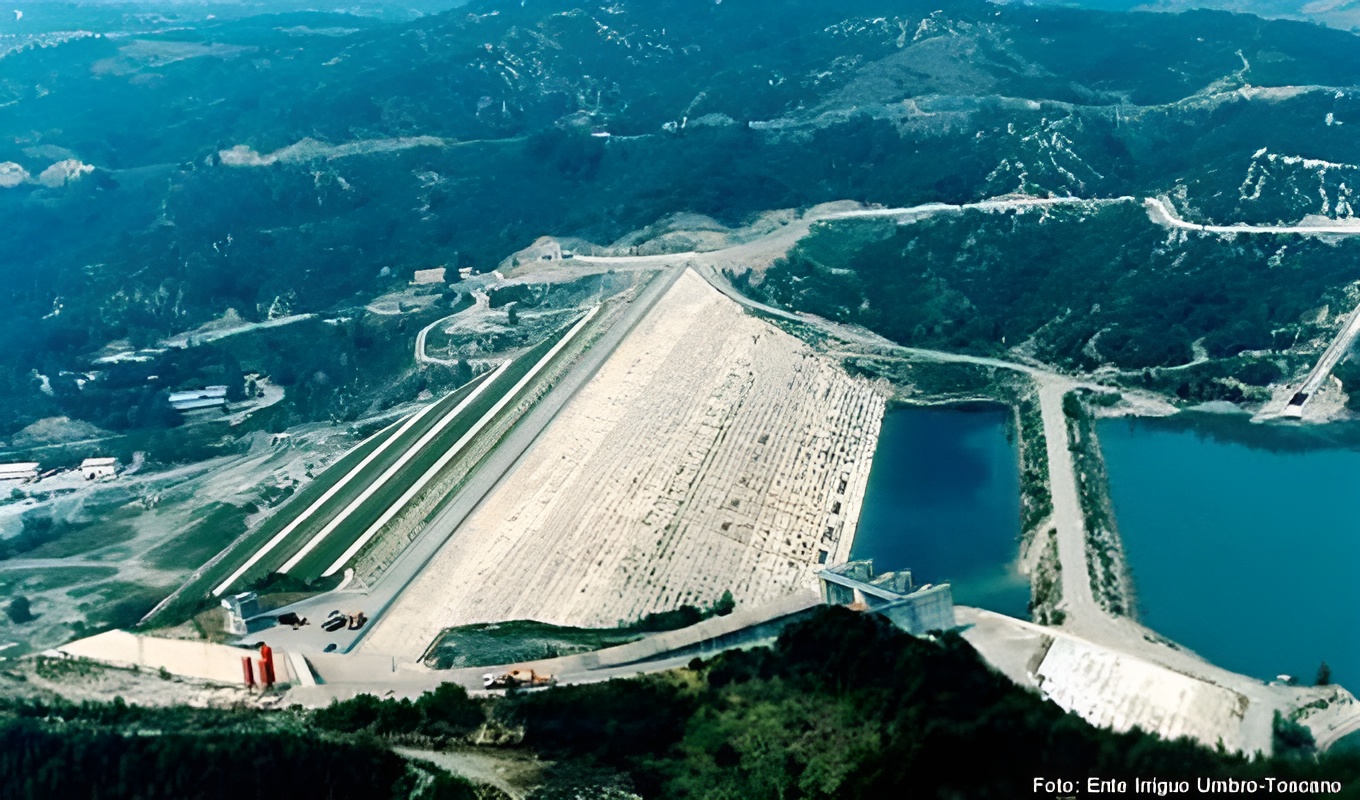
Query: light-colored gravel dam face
point(711, 452)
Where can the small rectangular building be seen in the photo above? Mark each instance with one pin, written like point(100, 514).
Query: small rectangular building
point(427, 276)
point(195, 405)
point(240, 609)
point(19, 471)
point(99, 468)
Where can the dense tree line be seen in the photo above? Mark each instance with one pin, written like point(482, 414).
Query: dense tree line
point(1348, 372)
point(843, 706)
point(1088, 286)
point(40, 760)
point(444, 713)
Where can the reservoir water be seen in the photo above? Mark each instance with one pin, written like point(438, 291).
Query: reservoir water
point(943, 500)
point(1243, 540)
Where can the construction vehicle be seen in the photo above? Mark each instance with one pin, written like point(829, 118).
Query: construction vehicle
point(291, 618)
point(518, 679)
point(337, 621)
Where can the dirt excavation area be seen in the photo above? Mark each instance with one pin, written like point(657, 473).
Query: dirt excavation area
point(1123, 676)
point(712, 452)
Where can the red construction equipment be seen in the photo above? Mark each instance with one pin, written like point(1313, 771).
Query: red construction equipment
point(266, 666)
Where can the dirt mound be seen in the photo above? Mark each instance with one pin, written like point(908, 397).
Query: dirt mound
point(54, 430)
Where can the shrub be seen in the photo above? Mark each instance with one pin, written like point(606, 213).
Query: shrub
point(19, 610)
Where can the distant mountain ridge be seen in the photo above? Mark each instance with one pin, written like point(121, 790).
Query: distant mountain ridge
point(290, 158)
point(1341, 14)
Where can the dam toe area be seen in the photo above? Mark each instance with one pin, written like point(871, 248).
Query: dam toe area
point(711, 452)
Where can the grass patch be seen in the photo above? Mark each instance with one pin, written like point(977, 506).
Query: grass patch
point(77, 538)
point(276, 600)
point(87, 590)
point(527, 640)
point(313, 492)
point(325, 554)
point(45, 580)
point(307, 495)
point(61, 669)
point(1046, 584)
point(1036, 499)
point(369, 511)
point(278, 583)
point(115, 604)
point(87, 538)
point(299, 501)
point(520, 640)
point(215, 527)
point(212, 624)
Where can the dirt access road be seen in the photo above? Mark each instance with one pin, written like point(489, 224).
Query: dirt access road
point(1162, 213)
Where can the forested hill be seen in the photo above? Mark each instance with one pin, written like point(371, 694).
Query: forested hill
point(1344, 15)
point(843, 706)
point(152, 179)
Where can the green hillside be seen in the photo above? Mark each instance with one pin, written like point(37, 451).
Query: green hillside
point(158, 177)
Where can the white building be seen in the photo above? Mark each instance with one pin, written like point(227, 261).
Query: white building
point(207, 397)
point(241, 608)
point(20, 471)
point(425, 276)
point(98, 468)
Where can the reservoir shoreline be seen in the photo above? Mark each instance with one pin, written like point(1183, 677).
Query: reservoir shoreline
point(943, 501)
point(1218, 515)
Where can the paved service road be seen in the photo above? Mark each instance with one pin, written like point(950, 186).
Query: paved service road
point(1332, 356)
point(1162, 213)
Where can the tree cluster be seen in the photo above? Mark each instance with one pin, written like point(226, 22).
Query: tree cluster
point(445, 713)
point(41, 760)
point(847, 706)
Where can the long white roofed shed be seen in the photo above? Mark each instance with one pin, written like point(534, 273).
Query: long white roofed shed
point(94, 468)
point(20, 471)
point(206, 397)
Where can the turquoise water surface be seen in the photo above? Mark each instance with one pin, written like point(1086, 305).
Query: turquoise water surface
point(944, 501)
point(1243, 540)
